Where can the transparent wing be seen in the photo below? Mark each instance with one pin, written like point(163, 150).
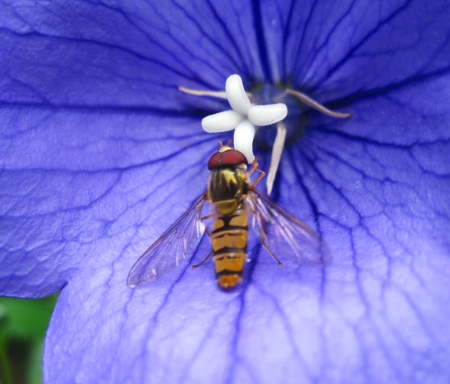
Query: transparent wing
point(175, 245)
point(278, 229)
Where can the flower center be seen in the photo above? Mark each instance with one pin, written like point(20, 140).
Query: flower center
point(295, 121)
point(268, 107)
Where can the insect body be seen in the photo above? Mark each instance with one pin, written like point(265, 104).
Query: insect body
point(229, 241)
point(233, 198)
point(228, 186)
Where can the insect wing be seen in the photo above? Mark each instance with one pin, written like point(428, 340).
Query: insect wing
point(278, 229)
point(176, 244)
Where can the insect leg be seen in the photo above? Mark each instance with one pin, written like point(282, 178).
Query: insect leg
point(209, 234)
point(206, 218)
point(255, 168)
point(271, 254)
point(259, 177)
point(263, 237)
point(203, 261)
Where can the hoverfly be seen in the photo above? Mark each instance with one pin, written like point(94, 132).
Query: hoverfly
point(232, 198)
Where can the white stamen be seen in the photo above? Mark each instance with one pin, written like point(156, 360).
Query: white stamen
point(217, 94)
point(314, 104)
point(277, 150)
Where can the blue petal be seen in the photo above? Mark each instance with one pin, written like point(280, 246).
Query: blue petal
point(70, 177)
point(98, 161)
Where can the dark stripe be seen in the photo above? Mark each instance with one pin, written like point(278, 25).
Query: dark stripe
point(229, 250)
point(227, 218)
point(228, 272)
point(228, 227)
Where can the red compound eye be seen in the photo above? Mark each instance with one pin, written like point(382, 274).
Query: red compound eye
point(214, 162)
point(233, 157)
point(230, 157)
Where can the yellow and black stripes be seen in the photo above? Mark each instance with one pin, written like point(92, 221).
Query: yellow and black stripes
point(229, 240)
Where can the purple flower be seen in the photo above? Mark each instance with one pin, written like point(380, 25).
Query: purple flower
point(100, 153)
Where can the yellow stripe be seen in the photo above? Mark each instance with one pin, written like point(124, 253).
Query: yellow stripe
point(233, 262)
point(231, 239)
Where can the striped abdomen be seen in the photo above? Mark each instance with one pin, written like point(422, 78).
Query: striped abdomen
point(229, 241)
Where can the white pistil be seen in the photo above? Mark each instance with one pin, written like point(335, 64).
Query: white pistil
point(243, 139)
point(223, 121)
point(243, 117)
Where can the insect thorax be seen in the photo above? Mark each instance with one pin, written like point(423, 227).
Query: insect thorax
point(227, 186)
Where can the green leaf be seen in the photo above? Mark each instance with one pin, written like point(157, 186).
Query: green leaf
point(26, 319)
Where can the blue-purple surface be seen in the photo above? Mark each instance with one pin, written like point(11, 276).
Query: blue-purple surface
point(100, 152)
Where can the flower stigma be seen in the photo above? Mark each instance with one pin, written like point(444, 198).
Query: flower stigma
point(251, 112)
